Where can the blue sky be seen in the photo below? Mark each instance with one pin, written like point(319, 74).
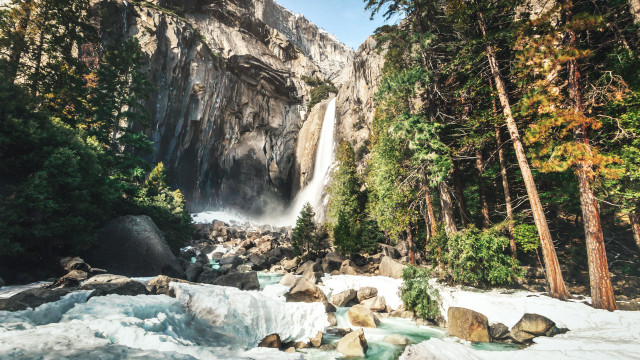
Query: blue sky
point(345, 19)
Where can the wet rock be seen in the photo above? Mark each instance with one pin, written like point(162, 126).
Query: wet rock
point(242, 281)
point(367, 292)
point(291, 350)
point(271, 341)
point(531, 326)
point(316, 341)
point(232, 260)
point(391, 268)
point(193, 271)
point(396, 339)
point(71, 280)
point(74, 263)
point(353, 344)
point(306, 291)
point(468, 324)
point(362, 316)
point(108, 284)
point(32, 298)
point(208, 276)
point(499, 332)
point(327, 347)
point(333, 320)
point(160, 285)
point(377, 304)
point(343, 298)
point(134, 246)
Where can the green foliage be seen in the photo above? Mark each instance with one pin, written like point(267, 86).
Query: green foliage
point(526, 236)
point(418, 295)
point(475, 257)
point(321, 92)
point(312, 81)
point(308, 241)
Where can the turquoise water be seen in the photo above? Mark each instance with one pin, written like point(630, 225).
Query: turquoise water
point(265, 278)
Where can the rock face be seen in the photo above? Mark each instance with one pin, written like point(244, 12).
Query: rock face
point(229, 101)
point(362, 316)
point(134, 246)
point(391, 268)
point(468, 324)
point(531, 326)
point(353, 344)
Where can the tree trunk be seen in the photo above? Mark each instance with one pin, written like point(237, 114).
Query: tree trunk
point(432, 216)
point(447, 209)
point(412, 258)
point(486, 222)
point(507, 192)
point(20, 41)
point(557, 286)
point(634, 219)
point(462, 203)
point(601, 290)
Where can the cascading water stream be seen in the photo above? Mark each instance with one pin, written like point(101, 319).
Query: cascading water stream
point(314, 191)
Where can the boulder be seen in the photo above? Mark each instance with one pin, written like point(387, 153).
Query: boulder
point(332, 262)
point(531, 326)
point(193, 271)
point(353, 344)
point(208, 276)
point(308, 292)
point(32, 298)
point(362, 316)
point(279, 252)
point(242, 281)
point(309, 264)
point(71, 280)
point(271, 341)
point(391, 268)
point(367, 292)
point(403, 248)
point(74, 263)
point(390, 251)
point(395, 339)
point(160, 285)
point(313, 276)
point(377, 304)
point(348, 267)
point(468, 324)
point(343, 298)
point(288, 280)
point(499, 332)
point(232, 260)
point(108, 284)
point(134, 246)
point(259, 262)
point(333, 320)
point(290, 350)
point(289, 265)
point(316, 341)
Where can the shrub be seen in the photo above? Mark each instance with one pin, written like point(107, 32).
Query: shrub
point(308, 240)
point(526, 236)
point(477, 257)
point(321, 92)
point(418, 295)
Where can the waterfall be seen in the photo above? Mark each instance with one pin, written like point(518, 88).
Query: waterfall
point(314, 191)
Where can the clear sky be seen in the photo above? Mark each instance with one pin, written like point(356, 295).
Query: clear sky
point(345, 19)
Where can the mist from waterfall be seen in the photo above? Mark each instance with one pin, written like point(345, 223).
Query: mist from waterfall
point(314, 192)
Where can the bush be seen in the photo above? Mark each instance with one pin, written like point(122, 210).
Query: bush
point(477, 257)
point(526, 236)
point(418, 295)
point(321, 92)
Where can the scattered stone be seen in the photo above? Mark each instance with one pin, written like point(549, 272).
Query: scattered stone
point(242, 281)
point(271, 341)
point(343, 298)
point(362, 316)
point(71, 280)
point(288, 280)
point(390, 251)
point(531, 326)
point(332, 262)
point(468, 325)
point(74, 263)
point(377, 304)
point(289, 265)
point(316, 341)
point(348, 267)
point(397, 340)
point(160, 285)
point(193, 271)
point(134, 246)
point(306, 291)
point(391, 268)
point(353, 344)
point(244, 268)
point(259, 262)
point(367, 292)
point(311, 275)
point(333, 320)
point(208, 276)
point(499, 332)
point(232, 260)
point(108, 284)
point(32, 298)
point(309, 264)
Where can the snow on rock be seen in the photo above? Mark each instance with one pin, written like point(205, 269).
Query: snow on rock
point(594, 334)
point(387, 287)
point(8, 291)
point(252, 315)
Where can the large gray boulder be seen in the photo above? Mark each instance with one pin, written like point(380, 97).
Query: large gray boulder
point(531, 326)
point(32, 298)
point(134, 246)
point(242, 281)
point(391, 268)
